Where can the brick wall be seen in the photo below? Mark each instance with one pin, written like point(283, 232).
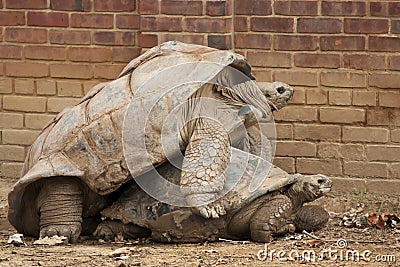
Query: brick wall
point(342, 58)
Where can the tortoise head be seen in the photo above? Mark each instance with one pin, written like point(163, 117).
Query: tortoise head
point(309, 188)
point(277, 93)
point(314, 186)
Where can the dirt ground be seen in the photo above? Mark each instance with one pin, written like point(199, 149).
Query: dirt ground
point(336, 246)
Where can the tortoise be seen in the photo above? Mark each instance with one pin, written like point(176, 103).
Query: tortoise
point(272, 209)
point(203, 97)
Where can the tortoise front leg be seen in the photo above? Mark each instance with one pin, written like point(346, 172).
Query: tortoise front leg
point(203, 170)
point(259, 143)
point(263, 218)
point(60, 203)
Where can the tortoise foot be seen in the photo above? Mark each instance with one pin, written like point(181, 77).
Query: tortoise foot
point(109, 229)
point(311, 218)
point(70, 231)
point(273, 218)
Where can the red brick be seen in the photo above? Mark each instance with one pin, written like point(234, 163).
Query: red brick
point(395, 26)
point(183, 37)
point(364, 134)
point(24, 103)
point(253, 7)
point(26, 4)
point(26, 35)
point(395, 136)
point(272, 24)
point(269, 59)
point(341, 115)
point(394, 62)
point(384, 80)
point(70, 5)
point(223, 42)
point(379, 117)
point(297, 113)
point(343, 8)
point(24, 86)
point(263, 75)
point(394, 8)
point(92, 21)
point(294, 43)
point(343, 79)
point(385, 9)
point(10, 51)
point(387, 99)
point(315, 166)
point(286, 164)
point(69, 37)
point(114, 5)
point(107, 71)
point(45, 87)
point(365, 169)
point(114, 38)
point(25, 69)
point(320, 25)
point(341, 151)
point(178, 7)
point(148, 40)
point(12, 18)
point(366, 25)
point(383, 153)
point(339, 98)
point(148, 7)
point(379, 9)
point(299, 97)
point(125, 54)
point(364, 98)
point(161, 24)
point(216, 8)
point(317, 60)
point(345, 43)
point(67, 88)
point(211, 25)
point(364, 61)
point(252, 41)
point(295, 149)
point(48, 19)
point(283, 131)
point(45, 52)
point(127, 21)
point(14, 153)
point(242, 24)
point(71, 71)
point(57, 104)
point(316, 96)
point(302, 8)
point(317, 132)
point(11, 120)
point(90, 54)
point(297, 77)
point(384, 44)
point(37, 121)
point(1, 4)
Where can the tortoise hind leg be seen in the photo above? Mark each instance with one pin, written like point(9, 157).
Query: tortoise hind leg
point(311, 218)
point(60, 203)
point(109, 229)
point(272, 218)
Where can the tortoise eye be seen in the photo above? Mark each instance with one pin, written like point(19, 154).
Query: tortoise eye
point(281, 90)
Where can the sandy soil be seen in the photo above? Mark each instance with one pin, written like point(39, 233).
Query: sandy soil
point(375, 247)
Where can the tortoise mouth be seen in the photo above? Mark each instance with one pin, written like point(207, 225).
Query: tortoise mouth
point(325, 189)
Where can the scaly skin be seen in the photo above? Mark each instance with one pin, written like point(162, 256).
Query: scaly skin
point(203, 170)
